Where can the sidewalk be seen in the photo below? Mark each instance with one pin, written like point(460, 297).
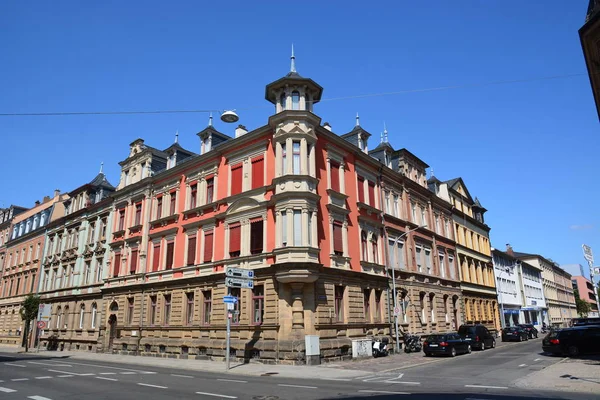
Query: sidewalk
point(571, 375)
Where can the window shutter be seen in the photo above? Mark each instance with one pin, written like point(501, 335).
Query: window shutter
point(256, 236)
point(169, 263)
point(236, 179)
point(234, 238)
point(361, 189)
point(117, 265)
point(258, 168)
point(156, 257)
point(338, 245)
point(372, 194)
point(208, 246)
point(335, 176)
point(191, 253)
point(133, 264)
point(210, 188)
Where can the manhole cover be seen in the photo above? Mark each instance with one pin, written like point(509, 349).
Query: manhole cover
point(265, 398)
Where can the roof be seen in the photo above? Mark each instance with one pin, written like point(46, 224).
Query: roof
point(404, 151)
point(478, 204)
point(292, 77)
point(177, 146)
point(453, 182)
point(593, 9)
point(433, 179)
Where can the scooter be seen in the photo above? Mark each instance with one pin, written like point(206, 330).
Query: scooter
point(412, 343)
point(379, 348)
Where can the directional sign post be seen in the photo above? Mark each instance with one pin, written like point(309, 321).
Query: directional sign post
point(589, 256)
point(234, 278)
point(44, 313)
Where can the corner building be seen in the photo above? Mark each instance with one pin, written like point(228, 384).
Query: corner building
point(300, 206)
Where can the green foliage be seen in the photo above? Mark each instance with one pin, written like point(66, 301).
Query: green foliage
point(29, 310)
point(583, 307)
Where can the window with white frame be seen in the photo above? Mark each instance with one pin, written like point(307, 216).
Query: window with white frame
point(81, 316)
point(413, 208)
point(441, 257)
point(94, 313)
point(432, 307)
point(419, 257)
point(428, 261)
point(423, 303)
point(451, 267)
point(396, 208)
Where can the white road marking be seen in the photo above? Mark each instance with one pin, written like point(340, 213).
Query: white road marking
point(232, 380)
point(217, 395)
point(50, 365)
point(64, 376)
point(108, 373)
point(90, 374)
point(537, 359)
point(16, 365)
point(486, 387)
point(38, 398)
point(381, 391)
point(43, 377)
point(19, 379)
point(128, 373)
point(154, 386)
point(106, 379)
point(117, 368)
point(69, 373)
point(522, 365)
point(182, 376)
point(298, 386)
point(336, 379)
point(405, 383)
point(7, 390)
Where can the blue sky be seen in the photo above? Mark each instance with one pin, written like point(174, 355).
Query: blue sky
point(527, 150)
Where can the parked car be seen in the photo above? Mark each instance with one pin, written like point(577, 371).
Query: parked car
point(585, 321)
point(449, 344)
point(477, 335)
point(573, 341)
point(514, 333)
point(531, 330)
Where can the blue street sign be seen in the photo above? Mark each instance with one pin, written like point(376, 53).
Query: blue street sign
point(230, 299)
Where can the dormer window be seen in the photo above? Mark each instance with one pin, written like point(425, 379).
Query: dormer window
point(207, 143)
point(295, 100)
point(282, 101)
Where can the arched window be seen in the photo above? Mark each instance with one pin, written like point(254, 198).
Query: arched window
point(35, 221)
point(28, 226)
point(66, 314)
point(21, 227)
point(58, 317)
point(375, 249)
point(14, 235)
point(81, 316)
point(282, 101)
point(43, 219)
point(295, 100)
point(94, 312)
point(363, 245)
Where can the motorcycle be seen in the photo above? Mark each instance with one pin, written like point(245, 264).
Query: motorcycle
point(412, 343)
point(380, 348)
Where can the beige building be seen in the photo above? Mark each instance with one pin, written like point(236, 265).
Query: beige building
point(558, 290)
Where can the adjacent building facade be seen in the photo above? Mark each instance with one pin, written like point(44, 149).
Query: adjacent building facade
point(587, 292)
point(589, 34)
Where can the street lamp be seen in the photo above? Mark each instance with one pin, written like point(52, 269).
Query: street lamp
point(397, 347)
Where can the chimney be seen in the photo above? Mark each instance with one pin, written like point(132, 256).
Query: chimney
point(46, 199)
point(56, 192)
point(37, 203)
point(327, 126)
point(509, 250)
point(240, 131)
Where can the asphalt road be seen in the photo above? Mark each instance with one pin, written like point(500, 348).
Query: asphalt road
point(482, 376)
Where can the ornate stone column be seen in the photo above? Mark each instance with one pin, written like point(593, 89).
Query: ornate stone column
point(297, 306)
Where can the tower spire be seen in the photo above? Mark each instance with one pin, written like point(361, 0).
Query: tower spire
point(210, 120)
point(357, 120)
point(293, 60)
point(101, 167)
point(177, 136)
point(385, 133)
point(432, 175)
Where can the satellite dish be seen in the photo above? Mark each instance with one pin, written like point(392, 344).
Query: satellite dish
point(229, 117)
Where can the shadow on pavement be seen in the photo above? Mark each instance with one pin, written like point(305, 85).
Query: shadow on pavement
point(374, 395)
point(29, 357)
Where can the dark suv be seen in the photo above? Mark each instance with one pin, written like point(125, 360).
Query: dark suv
point(478, 335)
point(573, 341)
point(532, 332)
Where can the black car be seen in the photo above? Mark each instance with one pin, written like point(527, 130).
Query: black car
point(531, 330)
point(515, 334)
point(573, 341)
point(478, 336)
point(449, 344)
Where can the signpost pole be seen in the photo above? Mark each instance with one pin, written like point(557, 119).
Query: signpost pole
point(589, 256)
point(228, 316)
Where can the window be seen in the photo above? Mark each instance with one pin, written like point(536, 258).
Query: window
point(81, 316)
point(58, 317)
point(235, 318)
point(283, 159)
point(335, 175)
point(258, 172)
point(134, 261)
point(396, 209)
point(102, 228)
point(92, 233)
point(282, 101)
point(296, 157)
point(208, 245)
point(428, 260)
point(138, 214)
point(375, 249)
point(86, 272)
point(432, 307)
point(234, 240)
point(309, 227)
point(418, 258)
point(371, 194)
point(210, 189)
point(284, 238)
point(33, 283)
point(152, 310)
point(367, 304)
point(189, 309)
point(159, 205)
point(364, 246)
point(194, 196)
point(256, 236)
point(447, 229)
point(423, 217)
point(237, 179)
point(378, 317)
point(442, 264)
point(156, 257)
point(297, 228)
point(339, 303)
point(258, 304)
point(338, 244)
point(94, 313)
point(388, 208)
point(396, 254)
point(117, 265)
point(169, 261)
point(414, 212)
point(167, 314)
point(423, 308)
point(206, 311)
point(173, 205)
point(295, 100)
point(130, 304)
point(191, 250)
point(121, 220)
point(437, 224)
point(361, 189)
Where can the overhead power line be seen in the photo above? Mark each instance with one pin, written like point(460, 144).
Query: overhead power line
point(399, 92)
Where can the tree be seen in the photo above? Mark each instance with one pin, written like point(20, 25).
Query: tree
point(583, 307)
point(29, 311)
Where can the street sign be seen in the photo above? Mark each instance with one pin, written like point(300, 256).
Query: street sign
point(230, 299)
point(230, 306)
point(596, 270)
point(44, 312)
point(239, 273)
point(239, 283)
point(396, 311)
point(41, 324)
point(587, 253)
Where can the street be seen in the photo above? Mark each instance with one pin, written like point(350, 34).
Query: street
point(482, 375)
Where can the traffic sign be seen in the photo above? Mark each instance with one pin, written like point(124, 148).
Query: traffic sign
point(587, 253)
point(230, 299)
point(239, 283)
point(41, 324)
point(44, 312)
point(396, 311)
point(239, 273)
point(230, 306)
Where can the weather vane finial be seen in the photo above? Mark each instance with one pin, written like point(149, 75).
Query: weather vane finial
point(293, 59)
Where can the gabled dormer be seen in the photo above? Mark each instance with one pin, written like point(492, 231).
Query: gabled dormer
point(358, 136)
point(210, 137)
point(411, 166)
point(143, 161)
point(176, 154)
point(91, 193)
point(478, 211)
point(384, 151)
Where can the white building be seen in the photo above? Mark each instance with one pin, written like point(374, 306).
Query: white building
point(520, 290)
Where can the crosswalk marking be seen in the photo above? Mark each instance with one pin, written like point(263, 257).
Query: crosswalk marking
point(38, 398)
point(6, 390)
point(19, 379)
